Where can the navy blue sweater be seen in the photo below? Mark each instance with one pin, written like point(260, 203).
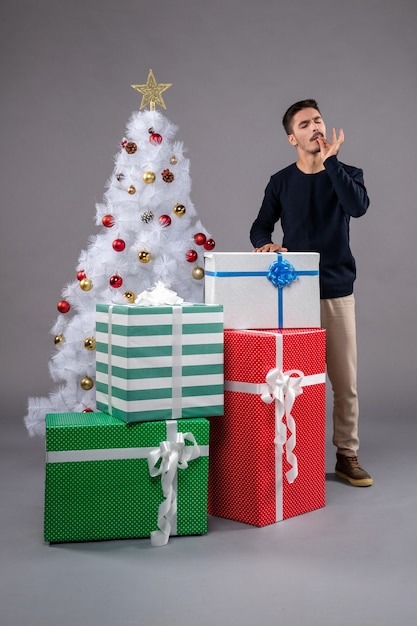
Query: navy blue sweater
point(315, 211)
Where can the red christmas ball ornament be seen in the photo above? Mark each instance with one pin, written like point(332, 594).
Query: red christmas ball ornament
point(63, 306)
point(155, 139)
point(209, 245)
point(116, 281)
point(119, 245)
point(200, 239)
point(191, 256)
point(81, 274)
point(88, 410)
point(164, 220)
point(107, 221)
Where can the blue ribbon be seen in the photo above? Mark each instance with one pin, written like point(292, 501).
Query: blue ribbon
point(281, 274)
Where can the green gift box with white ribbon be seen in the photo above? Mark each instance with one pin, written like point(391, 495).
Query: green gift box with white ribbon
point(109, 480)
point(159, 362)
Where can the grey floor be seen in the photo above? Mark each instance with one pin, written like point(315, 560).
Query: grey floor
point(352, 563)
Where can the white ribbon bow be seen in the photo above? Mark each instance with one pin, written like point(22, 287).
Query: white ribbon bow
point(158, 295)
point(173, 455)
point(284, 388)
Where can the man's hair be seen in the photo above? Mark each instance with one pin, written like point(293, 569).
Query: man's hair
point(293, 109)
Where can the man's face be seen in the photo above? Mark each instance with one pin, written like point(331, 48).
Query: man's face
point(306, 126)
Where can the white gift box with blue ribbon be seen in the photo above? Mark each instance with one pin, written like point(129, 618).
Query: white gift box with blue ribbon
point(264, 289)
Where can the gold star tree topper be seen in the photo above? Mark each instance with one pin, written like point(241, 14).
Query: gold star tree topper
point(152, 92)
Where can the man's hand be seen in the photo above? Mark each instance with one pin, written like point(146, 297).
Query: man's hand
point(328, 149)
point(270, 247)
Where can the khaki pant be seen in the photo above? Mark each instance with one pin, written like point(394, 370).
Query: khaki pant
point(338, 318)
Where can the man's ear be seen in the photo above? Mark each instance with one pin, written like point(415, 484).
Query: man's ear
point(292, 140)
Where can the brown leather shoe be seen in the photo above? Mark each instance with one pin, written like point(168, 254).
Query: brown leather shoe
point(348, 468)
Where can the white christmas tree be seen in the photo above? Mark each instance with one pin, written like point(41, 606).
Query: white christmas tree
point(150, 233)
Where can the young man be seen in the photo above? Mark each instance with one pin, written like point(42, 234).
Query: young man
point(315, 198)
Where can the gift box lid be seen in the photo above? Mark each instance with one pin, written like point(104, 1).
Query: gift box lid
point(95, 430)
point(264, 290)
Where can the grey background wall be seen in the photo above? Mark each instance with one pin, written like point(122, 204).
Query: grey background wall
point(235, 65)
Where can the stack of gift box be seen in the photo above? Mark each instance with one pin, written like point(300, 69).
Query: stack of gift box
point(242, 374)
point(140, 466)
point(267, 454)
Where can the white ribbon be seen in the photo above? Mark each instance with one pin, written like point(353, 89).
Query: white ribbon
point(176, 362)
point(109, 360)
point(283, 388)
point(172, 455)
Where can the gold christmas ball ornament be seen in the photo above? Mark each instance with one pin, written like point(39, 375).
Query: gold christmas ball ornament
point(86, 284)
point(86, 383)
point(179, 209)
point(144, 256)
point(90, 343)
point(58, 339)
point(131, 189)
point(130, 296)
point(198, 273)
point(148, 177)
point(173, 160)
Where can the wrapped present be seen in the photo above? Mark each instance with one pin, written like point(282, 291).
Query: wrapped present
point(159, 362)
point(264, 290)
point(109, 480)
point(267, 455)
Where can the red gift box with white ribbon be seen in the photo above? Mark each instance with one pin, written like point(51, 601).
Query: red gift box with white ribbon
point(267, 454)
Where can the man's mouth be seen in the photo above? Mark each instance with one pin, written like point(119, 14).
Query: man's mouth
point(315, 135)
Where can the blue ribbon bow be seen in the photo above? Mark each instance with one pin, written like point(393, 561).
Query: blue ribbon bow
point(281, 273)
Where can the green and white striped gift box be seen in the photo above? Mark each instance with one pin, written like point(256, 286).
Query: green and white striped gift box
point(159, 362)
